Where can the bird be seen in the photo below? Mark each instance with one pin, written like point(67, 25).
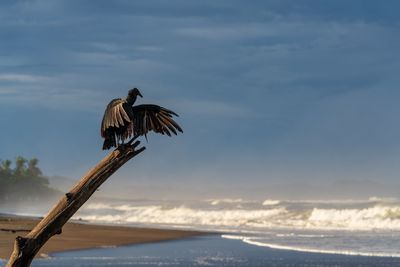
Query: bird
point(122, 120)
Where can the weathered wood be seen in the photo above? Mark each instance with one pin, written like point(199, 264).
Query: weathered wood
point(25, 248)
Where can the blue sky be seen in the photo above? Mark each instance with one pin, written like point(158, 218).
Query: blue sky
point(268, 91)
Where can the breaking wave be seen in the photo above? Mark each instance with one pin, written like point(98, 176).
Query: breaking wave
point(271, 202)
point(365, 228)
point(378, 217)
point(225, 201)
point(185, 216)
point(271, 215)
point(256, 242)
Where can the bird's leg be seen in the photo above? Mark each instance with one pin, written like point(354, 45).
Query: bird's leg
point(133, 139)
point(123, 145)
point(120, 143)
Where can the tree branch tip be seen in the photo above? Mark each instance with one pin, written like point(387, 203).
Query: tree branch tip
point(134, 145)
point(133, 139)
point(140, 150)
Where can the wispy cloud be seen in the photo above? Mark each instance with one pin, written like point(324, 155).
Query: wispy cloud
point(25, 78)
point(117, 47)
point(57, 99)
point(213, 108)
point(226, 32)
point(11, 61)
point(6, 91)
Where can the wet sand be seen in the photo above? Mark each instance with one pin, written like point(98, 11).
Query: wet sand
point(81, 236)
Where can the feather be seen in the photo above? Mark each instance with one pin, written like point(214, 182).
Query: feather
point(124, 114)
point(119, 117)
point(114, 118)
point(173, 123)
point(166, 131)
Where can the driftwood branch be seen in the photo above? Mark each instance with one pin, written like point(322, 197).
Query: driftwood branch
point(25, 248)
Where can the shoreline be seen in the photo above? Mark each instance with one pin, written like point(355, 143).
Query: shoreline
point(211, 250)
point(79, 236)
point(82, 240)
point(272, 246)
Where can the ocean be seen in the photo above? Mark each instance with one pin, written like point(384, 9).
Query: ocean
point(207, 251)
point(366, 228)
point(248, 233)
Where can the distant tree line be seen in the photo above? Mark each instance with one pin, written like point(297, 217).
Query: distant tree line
point(23, 181)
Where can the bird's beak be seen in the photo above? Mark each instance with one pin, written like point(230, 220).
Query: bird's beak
point(139, 94)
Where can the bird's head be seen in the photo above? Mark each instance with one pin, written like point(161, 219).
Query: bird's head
point(134, 93)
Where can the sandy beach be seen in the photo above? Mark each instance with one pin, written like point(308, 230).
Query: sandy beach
point(81, 236)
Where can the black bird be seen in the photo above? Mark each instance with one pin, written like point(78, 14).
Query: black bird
point(122, 120)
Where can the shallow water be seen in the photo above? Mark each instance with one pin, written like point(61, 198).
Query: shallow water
point(206, 251)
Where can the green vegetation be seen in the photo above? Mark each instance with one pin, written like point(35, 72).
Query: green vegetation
point(24, 181)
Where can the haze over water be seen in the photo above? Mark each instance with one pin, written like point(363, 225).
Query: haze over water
point(289, 110)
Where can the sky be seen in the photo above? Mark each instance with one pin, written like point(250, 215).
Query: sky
point(282, 93)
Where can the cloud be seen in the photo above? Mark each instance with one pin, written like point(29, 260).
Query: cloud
point(98, 58)
point(112, 47)
point(47, 96)
point(227, 32)
point(25, 78)
point(11, 61)
point(6, 91)
point(277, 71)
point(212, 108)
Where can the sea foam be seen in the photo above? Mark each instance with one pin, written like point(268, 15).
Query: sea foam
point(254, 241)
point(375, 216)
point(366, 228)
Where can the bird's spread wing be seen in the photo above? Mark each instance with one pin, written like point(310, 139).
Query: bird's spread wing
point(147, 118)
point(115, 115)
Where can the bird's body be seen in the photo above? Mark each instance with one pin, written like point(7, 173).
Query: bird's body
point(122, 120)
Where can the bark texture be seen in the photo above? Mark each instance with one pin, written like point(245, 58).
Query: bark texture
point(25, 248)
